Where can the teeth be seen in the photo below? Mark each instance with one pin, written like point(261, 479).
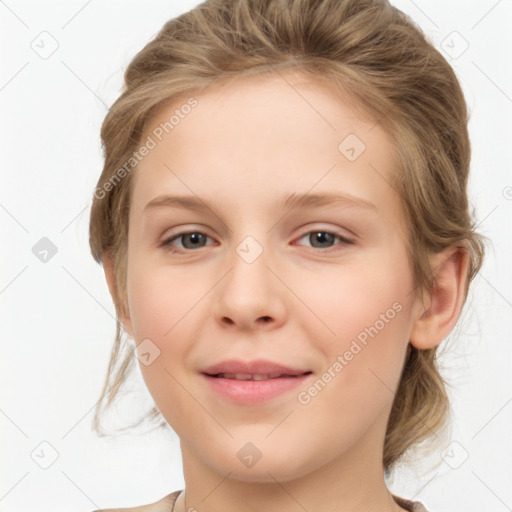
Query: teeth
point(249, 376)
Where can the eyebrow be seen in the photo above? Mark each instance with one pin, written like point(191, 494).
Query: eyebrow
point(290, 202)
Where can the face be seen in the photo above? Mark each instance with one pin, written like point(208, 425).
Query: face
point(247, 271)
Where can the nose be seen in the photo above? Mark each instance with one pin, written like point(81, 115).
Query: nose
point(250, 296)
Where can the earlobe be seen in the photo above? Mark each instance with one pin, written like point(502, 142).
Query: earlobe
point(110, 276)
point(435, 322)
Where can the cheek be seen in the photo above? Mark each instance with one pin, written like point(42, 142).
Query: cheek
point(159, 298)
point(349, 299)
point(167, 306)
point(162, 302)
point(365, 314)
point(362, 360)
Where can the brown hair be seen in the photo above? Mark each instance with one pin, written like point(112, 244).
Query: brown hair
point(365, 48)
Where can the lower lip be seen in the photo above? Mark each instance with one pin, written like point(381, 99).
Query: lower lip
point(253, 391)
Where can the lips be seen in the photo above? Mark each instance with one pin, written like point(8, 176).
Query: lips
point(248, 383)
point(258, 369)
point(251, 376)
point(251, 392)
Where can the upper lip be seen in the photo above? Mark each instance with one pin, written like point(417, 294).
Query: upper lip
point(258, 366)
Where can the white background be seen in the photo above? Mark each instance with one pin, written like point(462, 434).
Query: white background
point(57, 317)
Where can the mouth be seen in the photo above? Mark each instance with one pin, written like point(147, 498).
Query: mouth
point(254, 376)
point(250, 389)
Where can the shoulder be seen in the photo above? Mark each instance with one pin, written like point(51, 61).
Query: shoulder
point(166, 504)
point(412, 506)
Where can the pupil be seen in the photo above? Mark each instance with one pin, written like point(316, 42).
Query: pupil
point(195, 237)
point(321, 237)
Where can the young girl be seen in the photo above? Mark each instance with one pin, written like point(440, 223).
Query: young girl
point(284, 227)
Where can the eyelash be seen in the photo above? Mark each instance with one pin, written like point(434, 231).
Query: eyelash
point(166, 244)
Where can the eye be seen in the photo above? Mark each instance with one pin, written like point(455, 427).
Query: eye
point(192, 240)
point(321, 238)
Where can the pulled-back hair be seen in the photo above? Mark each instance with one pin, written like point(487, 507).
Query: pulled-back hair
point(366, 49)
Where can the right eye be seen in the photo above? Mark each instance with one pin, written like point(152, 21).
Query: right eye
point(192, 239)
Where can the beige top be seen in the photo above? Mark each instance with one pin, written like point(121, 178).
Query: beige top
point(166, 504)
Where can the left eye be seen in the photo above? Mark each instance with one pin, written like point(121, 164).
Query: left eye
point(193, 240)
point(323, 237)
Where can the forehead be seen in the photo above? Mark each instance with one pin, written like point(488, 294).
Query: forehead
point(263, 103)
point(252, 135)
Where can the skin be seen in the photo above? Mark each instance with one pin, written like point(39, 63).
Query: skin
point(249, 142)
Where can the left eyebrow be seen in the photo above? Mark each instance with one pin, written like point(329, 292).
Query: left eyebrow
point(290, 202)
point(295, 201)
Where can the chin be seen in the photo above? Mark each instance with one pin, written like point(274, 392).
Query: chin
point(252, 462)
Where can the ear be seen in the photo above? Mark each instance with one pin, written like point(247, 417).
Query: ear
point(122, 310)
point(436, 318)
